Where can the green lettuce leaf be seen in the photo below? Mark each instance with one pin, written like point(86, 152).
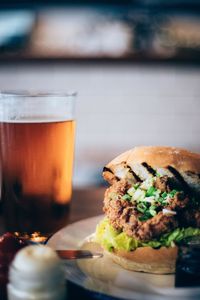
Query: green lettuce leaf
point(178, 235)
point(111, 239)
point(106, 234)
point(124, 242)
point(153, 244)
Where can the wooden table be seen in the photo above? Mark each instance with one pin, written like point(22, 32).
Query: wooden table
point(86, 203)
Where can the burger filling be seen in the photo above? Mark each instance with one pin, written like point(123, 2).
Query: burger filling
point(111, 238)
point(150, 213)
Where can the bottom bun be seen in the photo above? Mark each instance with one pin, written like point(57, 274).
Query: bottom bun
point(147, 259)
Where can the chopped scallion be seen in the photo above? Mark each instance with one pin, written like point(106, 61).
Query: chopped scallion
point(172, 193)
point(152, 210)
point(158, 174)
point(126, 197)
point(150, 191)
point(131, 191)
point(164, 195)
point(141, 207)
point(136, 185)
point(145, 217)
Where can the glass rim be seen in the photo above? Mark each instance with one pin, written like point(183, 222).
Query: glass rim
point(37, 94)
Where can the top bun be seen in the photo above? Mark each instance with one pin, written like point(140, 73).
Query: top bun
point(140, 163)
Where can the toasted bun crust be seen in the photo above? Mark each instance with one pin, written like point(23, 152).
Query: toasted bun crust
point(158, 157)
point(147, 259)
point(164, 160)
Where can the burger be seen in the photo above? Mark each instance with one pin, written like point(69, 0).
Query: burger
point(151, 206)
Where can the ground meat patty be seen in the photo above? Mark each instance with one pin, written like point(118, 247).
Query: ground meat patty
point(163, 184)
point(123, 215)
point(156, 226)
point(113, 203)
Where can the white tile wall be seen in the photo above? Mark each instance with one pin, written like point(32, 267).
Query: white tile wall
point(119, 106)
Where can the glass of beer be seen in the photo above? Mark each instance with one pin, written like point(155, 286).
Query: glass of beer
point(36, 157)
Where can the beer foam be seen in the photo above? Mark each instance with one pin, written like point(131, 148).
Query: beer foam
point(41, 119)
point(36, 109)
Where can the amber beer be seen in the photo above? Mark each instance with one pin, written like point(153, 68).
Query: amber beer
point(37, 163)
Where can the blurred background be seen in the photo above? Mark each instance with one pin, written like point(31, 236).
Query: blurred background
point(135, 65)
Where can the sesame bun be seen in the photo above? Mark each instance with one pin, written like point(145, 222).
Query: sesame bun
point(147, 259)
point(139, 163)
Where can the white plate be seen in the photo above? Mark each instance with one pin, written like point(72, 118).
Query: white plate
point(102, 275)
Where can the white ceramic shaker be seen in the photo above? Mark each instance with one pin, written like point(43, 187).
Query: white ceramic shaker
point(36, 273)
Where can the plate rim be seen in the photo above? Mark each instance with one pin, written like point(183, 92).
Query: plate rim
point(96, 219)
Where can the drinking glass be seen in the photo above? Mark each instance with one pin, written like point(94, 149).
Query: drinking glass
point(36, 157)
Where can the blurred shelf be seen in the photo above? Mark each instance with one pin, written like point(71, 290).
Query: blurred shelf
point(101, 36)
point(129, 59)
